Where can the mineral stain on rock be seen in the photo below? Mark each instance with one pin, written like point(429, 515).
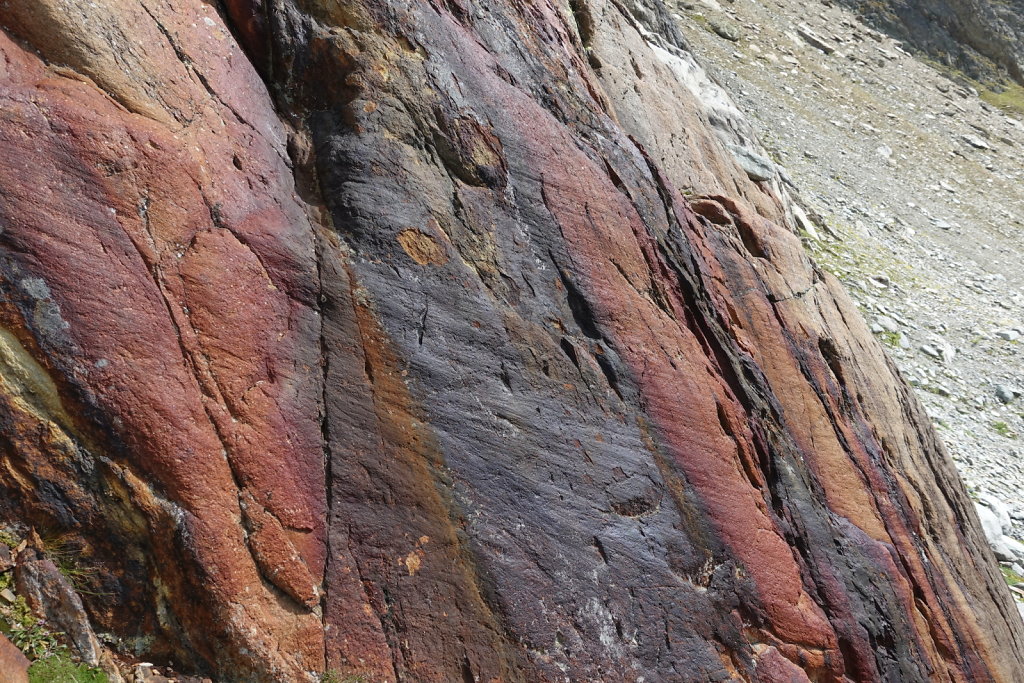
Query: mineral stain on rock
point(418, 365)
point(422, 248)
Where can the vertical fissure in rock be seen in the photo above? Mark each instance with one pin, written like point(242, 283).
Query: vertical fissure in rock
point(325, 430)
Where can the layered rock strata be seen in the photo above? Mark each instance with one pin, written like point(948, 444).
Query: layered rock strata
point(443, 341)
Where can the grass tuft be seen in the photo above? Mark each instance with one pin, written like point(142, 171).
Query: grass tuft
point(9, 539)
point(60, 668)
point(1003, 429)
point(1012, 577)
point(1006, 96)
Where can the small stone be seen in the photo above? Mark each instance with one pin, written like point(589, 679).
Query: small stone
point(8, 596)
point(1006, 394)
point(804, 223)
point(976, 142)
point(930, 351)
point(727, 31)
point(814, 40)
point(1008, 335)
point(887, 323)
point(146, 673)
point(947, 352)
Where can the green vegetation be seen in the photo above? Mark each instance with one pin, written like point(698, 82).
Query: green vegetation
point(59, 668)
point(332, 676)
point(26, 632)
point(1006, 96)
point(890, 338)
point(1003, 429)
point(850, 258)
point(1012, 577)
point(703, 22)
point(68, 558)
point(52, 661)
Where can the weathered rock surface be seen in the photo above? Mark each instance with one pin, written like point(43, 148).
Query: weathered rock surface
point(417, 363)
point(13, 664)
point(51, 595)
point(982, 38)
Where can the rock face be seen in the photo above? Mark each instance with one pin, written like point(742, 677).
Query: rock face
point(447, 340)
point(983, 38)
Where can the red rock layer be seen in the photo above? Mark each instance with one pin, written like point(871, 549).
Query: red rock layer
point(416, 363)
point(160, 337)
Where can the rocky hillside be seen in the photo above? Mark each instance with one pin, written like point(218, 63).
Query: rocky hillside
point(448, 340)
point(984, 39)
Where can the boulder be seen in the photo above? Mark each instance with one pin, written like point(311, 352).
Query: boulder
point(1000, 510)
point(1010, 549)
point(990, 523)
point(51, 596)
point(1005, 394)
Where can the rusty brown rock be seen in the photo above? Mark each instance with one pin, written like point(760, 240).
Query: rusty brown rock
point(142, 391)
point(13, 664)
point(459, 348)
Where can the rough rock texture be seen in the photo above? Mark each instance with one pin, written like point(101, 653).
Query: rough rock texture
point(461, 350)
point(13, 664)
point(983, 38)
point(50, 594)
